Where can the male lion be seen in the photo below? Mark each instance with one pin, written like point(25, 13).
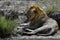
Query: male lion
point(40, 23)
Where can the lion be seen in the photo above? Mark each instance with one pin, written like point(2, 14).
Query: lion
point(40, 23)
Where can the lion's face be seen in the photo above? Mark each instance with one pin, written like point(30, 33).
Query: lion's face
point(31, 13)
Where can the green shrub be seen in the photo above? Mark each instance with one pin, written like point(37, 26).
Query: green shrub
point(6, 27)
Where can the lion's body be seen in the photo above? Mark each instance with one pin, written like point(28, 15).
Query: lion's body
point(40, 22)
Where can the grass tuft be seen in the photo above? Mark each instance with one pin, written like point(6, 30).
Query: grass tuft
point(6, 27)
point(51, 9)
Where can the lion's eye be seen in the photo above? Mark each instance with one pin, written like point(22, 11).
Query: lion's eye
point(35, 11)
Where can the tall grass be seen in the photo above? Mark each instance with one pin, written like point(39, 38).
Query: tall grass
point(51, 9)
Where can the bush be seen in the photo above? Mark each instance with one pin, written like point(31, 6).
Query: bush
point(6, 27)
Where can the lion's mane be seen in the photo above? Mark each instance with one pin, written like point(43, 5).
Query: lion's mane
point(36, 13)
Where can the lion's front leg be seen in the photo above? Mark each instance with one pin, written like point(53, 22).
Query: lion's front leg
point(44, 30)
point(29, 31)
point(32, 32)
point(41, 29)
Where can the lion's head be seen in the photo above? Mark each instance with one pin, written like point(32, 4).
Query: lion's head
point(35, 13)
